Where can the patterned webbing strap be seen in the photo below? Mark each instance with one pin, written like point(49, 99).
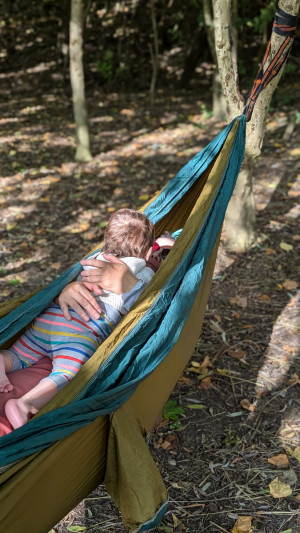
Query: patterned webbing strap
point(284, 24)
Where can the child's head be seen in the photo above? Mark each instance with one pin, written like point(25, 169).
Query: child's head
point(128, 233)
point(160, 249)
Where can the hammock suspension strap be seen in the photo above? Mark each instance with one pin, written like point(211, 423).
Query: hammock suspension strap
point(285, 25)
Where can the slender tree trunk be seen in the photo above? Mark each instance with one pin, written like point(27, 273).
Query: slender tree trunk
point(63, 38)
point(218, 100)
point(154, 53)
point(241, 215)
point(77, 82)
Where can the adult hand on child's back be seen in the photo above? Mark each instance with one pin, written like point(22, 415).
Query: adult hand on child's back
point(112, 275)
point(81, 299)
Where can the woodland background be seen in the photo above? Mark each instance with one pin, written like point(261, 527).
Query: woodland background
point(237, 404)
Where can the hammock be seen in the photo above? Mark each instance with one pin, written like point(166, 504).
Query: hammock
point(166, 317)
point(53, 462)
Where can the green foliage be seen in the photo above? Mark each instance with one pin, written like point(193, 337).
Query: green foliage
point(172, 411)
point(230, 439)
point(206, 112)
point(105, 67)
point(108, 71)
point(165, 529)
point(290, 68)
point(259, 22)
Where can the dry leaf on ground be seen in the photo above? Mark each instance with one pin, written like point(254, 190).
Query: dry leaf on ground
point(281, 460)
point(206, 384)
point(290, 284)
point(264, 298)
point(279, 489)
point(295, 453)
point(247, 405)
point(241, 301)
point(285, 246)
point(236, 353)
point(170, 442)
point(243, 525)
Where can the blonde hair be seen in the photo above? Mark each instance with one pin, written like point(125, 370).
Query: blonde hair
point(128, 233)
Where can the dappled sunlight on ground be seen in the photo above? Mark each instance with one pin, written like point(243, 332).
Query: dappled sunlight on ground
point(283, 348)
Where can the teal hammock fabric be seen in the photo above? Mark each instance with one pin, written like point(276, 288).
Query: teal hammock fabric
point(147, 344)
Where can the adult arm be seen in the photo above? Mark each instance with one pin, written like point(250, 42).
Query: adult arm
point(113, 276)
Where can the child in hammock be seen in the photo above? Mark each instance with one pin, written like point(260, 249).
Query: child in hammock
point(129, 235)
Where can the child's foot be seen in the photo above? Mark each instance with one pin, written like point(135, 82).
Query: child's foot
point(5, 384)
point(18, 413)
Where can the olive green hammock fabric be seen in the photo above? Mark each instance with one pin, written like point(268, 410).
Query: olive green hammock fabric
point(55, 460)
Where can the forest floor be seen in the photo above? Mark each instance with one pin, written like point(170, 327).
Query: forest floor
point(240, 393)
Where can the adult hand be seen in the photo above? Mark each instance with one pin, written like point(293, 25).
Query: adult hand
point(112, 276)
point(80, 298)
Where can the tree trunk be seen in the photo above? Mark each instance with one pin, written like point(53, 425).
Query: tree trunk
point(83, 153)
point(153, 53)
point(218, 100)
point(63, 38)
point(240, 216)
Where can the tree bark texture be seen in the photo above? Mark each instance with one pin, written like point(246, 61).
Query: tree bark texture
point(240, 217)
point(83, 153)
point(218, 99)
point(154, 53)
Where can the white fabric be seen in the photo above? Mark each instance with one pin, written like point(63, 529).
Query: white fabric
point(138, 267)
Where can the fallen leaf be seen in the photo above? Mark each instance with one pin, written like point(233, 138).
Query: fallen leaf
point(144, 197)
point(290, 284)
point(295, 380)
point(245, 404)
point(215, 327)
point(183, 379)
point(280, 461)
point(270, 251)
point(223, 371)
point(288, 476)
point(243, 525)
point(264, 298)
point(236, 353)
point(196, 406)
point(279, 489)
point(170, 442)
point(206, 363)
point(295, 151)
point(285, 246)
point(176, 521)
point(295, 453)
point(241, 301)
point(206, 384)
point(193, 369)
point(118, 191)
